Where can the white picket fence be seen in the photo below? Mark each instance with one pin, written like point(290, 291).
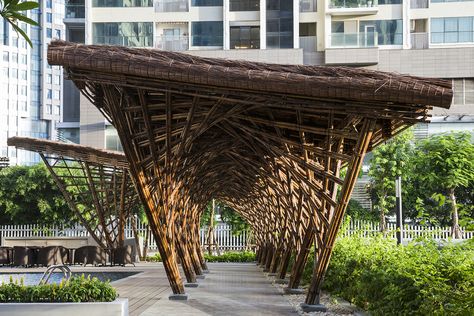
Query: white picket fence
point(368, 228)
point(223, 233)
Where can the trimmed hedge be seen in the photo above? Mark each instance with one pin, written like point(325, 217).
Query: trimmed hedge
point(421, 278)
point(245, 256)
point(76, 289)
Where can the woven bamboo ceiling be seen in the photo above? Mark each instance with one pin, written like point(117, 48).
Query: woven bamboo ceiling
point(95, 183)
point(267, 139)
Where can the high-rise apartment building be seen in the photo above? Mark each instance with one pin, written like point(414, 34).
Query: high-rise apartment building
point(419, 37)
point(30, 89)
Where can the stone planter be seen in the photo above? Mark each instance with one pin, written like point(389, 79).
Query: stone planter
point(119, 307)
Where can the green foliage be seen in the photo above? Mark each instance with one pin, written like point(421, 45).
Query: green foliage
point(385, 279)
point(230, 217)
point(29, 195)
point(76, 289)
point(389, 161)
point(356, 211)
point(155, 258)
point(10, 11)
point(244, 256)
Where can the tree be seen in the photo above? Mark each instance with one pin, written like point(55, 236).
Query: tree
point(29, 195)
point(10, 11)
point(445, 164)
point(231, 218)
point(389, 161)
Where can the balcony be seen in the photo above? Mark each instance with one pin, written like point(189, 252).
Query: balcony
point(419, 40)
point(172, 43)
point(171, 6)
point(308, 5)
point(354, 40)
point(353, 7)
point(75, 11)
point(308, 43)
point(419, 4)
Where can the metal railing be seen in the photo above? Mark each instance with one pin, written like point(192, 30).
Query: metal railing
point(308, 5)
point(47, 274)
point(308, 43)
point(132, 41)
point(354, 40)
point(419, 40)
point(75, 11)
point(343, 4)
point(172, 43)
point(171, 6)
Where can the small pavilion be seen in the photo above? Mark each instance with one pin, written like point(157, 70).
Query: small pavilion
point(269, 140)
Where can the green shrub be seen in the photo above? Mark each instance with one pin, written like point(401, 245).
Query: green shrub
point(76, 289)
point(155, 258)
point(421, 278)
point(244, 256)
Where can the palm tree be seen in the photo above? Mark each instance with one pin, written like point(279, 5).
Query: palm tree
point(10, 11)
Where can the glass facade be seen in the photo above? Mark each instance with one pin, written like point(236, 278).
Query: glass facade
point(244, 5)
point(391, 1)
point(279, 24)
point(122, 3)
point(244, 37)
point(135, 34)
point(452, 30)
point(206, 3)
point(389, 32)
point(209, 33)
point(112, 140)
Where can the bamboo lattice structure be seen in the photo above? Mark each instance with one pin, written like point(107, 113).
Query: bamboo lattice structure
point(96, 185)
point(269, 140)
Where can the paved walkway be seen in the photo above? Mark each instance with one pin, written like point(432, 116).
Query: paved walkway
point(229, 289)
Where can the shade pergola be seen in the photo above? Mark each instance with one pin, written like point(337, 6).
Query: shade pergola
point(95, 183)
point(269, 140)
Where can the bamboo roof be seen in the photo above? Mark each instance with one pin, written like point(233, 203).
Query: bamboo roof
point(267, 139)
point(76, 151)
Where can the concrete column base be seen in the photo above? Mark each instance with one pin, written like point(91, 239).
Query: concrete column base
point(294, 291)
point(191, 285)
point(178, 297)
point(200, 276)
point(307, 308)
point(282, 281)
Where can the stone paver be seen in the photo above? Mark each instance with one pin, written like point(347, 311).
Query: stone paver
point(229, 289)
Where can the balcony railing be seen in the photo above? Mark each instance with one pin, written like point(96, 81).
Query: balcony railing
point(171, 6)
point(172, 43)
point(419, 40)
point(308, 5)
point(75, 11)
point(343, 4)
point(308, 43)
point(132, 41)
point(354, 40)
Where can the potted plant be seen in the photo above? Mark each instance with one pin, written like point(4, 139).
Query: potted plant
point(76, 296)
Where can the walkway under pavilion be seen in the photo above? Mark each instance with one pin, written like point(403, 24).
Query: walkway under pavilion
point(269, 140)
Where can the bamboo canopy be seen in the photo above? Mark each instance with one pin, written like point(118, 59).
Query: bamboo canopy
point(95, 183)
point(269, 140)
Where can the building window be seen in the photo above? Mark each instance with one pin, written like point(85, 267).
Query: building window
point(208, 33)
point(279, 24)
point(49, 78)
point(56, 95)
point(308, 5)
point(49, 32)
point(463, 90)
point(23, 75)
point(57, 34)
point(23, 59)
point(308, 29)
point(23, 106)
point(23, 90)
point(452, 30)
point(122, 3)
point(136, 34)
point(5, 72)
point(244, 5)
point(206, 3)
point(14, 73)
point(244, 37)
point(57, 79)
point(6, 56)
point(15, 58)
point(49, 108)
point(57, 110)
point(49, 17)
point(389, 32)
point(112, 140)
point(15, 41)
point(49, 4)
point(49, 94)
point(392, 2)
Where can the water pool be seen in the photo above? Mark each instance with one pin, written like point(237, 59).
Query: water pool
point(32, 278)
